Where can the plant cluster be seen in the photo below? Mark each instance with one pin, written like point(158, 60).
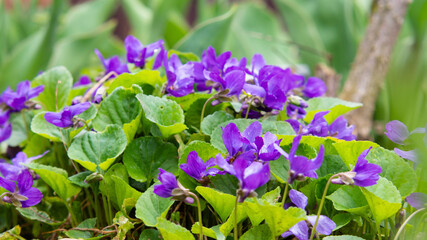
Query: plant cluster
point(166, 144)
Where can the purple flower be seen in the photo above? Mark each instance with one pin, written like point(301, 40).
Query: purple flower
point(83, 81)
point(4, 116)
point(66, 118)
point(340, 129)
point(21, 194)
point(170, 187)
point(17, 100)
point(296, 107)
point(136, 53)
point(314, 87)
point(181, 78)
point(113, 64)
point(301, 230)
point(300, 166)
point(213, 63)
point(266, 147)
point(397, 132)
point(198, 169)
point(251, 174)
point(12, 171)
point(5, 131)
point(417, 200)
point(410, 155)
point(364, 174)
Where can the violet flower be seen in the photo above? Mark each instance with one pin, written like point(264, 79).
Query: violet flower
point(251, 174)
point(170, 187)
point(363, 174)
point(67, 117)
point(397, 132)
point(137, 54)
point(301, 230)
point(340, 129)
point(84, 80)
point(21, 194)
point(19, 100)
point(314, 87)
point(181, 77)
point(266, 147)
point(300, 166)
point(417, 200)
point(113, 64)
point(12, 171)
point(5, 126)
point(198, 169)
point(5, 131)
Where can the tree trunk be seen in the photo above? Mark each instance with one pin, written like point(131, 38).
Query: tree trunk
point(369, 69)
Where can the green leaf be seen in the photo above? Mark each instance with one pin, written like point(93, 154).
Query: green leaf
point(92, 150)
point(121, 108)
point(203, 149)
point(302, 29)
point(211, 121)
point(88, 223)
point(383, 198)
point(141, 78)
point(56, 178)
point(43, 128)
point(166, 114)
point(395, 169)
point(280, 169)
point(343, 237)
point(19, 127)
point(336, 106)
point(349, 151)
point(341, 220)
point(192, 115)
point(206, 231)
point(332, 164)
point(151, 206)
point(37, 215)
point(171, 231)
point(140, 18)
point(12, 234)
point(144, 156)
point(83, 19)
point(79, 179)
point(186, 101)
point(118, 189)
point(57, 84)
point(222, 203)
point(228, 226)
point(257, 233)
point(350, 199)
point(243, 34)
point(149, 234)
point(280, 220)
point(125, 225)
point(32, 54)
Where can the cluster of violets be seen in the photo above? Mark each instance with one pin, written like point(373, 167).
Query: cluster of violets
point(18, 181)
point(249, 154)
point(261, 89)
point(11, 101)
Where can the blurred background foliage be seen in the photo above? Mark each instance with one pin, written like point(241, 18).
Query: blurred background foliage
point(39, 34)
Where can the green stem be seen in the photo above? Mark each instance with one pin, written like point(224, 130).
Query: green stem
point(236, 235)
point(379, 231)
point(406, 222)
point(249, 108)
point(90, 207)
point(104, 204)
point(322, 201)
point(285, 193)
point(203, 110)
point(199, 210)
point(25, 123)
point(73, 218)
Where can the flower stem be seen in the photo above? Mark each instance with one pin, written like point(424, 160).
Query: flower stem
point(236, 234)
point(322, 201)
point(249, 108)
point(406, 222)
point(285, 193)
point(199, 210)
point(203, 110)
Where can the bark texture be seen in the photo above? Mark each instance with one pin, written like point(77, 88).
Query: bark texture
point(369, 69)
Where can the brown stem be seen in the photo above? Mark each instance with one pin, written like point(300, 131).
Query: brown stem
point(96, 86)
point(371, 63)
